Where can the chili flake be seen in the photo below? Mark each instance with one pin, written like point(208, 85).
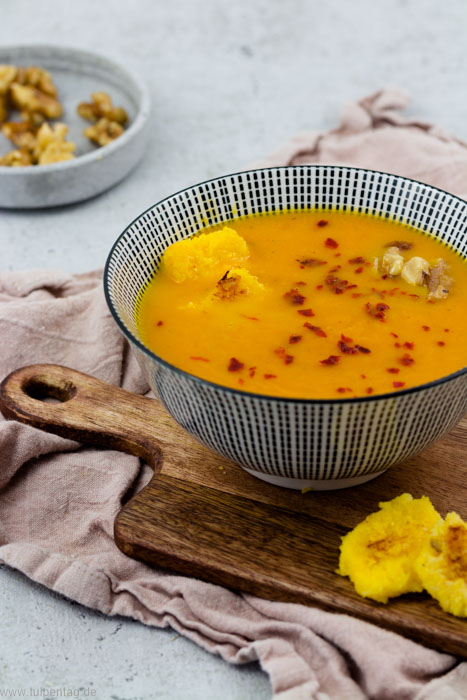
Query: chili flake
point(346, 338)
point(270, 376)
point(346, 349)
point(358, 270)
point(402, 245)
point(199, 358)
point(393, 370)
point(409, 346)
point(331, 360)
point(369, 390)
point(394, 334)
point(280, 352)
point(306, 312)
point(295, 339)
point(322, 222)
point(316, 329)
point(440, 343)
point(398, 385)
point(235, 365)
point(251, 318)
point(294, 296)
point(446, 330)
point(319, 286)
point(362, 349)
point(331, 243)
point(377, 311)
point(341, 389)
point(252, 372)
point(363, 376)
point(426, 328)
point(357, 261)
point(160, 323)
point(311, 262)
point(337, 285)
point(406, 360)
point(336, 268)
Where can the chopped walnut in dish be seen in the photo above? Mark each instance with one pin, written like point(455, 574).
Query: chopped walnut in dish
point(102, 106)
point(439, 281)
point(104, 131)
point(16, 159)
point(31, 100)
point(392, 261)
point(52, 146)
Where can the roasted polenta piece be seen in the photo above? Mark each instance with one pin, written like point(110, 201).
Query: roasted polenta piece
point(442, 564)
point(378, 554)
point(206, 256)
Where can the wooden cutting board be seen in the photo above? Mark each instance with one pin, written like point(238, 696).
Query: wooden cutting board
point(204, 516)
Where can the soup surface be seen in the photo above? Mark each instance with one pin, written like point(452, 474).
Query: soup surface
point(309, 304)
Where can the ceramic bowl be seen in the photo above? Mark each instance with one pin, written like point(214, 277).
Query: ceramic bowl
point(297, 443)
point(77, 74)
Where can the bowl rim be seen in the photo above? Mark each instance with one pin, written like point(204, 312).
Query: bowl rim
point(240, 392)
point(135, 126)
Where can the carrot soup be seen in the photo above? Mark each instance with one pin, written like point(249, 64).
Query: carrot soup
point(310, 305)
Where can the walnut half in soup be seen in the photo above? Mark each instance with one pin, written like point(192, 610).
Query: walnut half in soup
point(308, 304)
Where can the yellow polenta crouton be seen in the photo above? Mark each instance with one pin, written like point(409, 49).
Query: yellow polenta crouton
point(442, 565)
point(378, 554)
point(206, 256)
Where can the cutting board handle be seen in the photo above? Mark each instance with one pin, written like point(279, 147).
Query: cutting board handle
point(88, 409)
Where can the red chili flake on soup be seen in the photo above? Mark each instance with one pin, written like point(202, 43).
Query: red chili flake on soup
point(377, 311)
point(398, 385)
point(338, 286)
point(311, 262)
point(251, 318)
point(305, 312)
point(357, 261)
point(369, 390)
point(280, 352)
point(346, 338)
point(440, 343)
point(199, 358)
point(251, 372)
point(341, 389)
point(394, 335)
point(426, 328)
point(294, 296)
point(406, 360)
point(160, 323)
point(409, 346)
point(294, 339)
point(270, 376)
point(346, 349)
point(358, 270)
point(393, 370)
point(315, 329)
point(235, 365)
point(362, 349)
point(331, 243)
point(331, 360)
point(322, 222)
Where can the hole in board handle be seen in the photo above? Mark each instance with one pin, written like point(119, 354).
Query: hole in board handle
point(43, 390)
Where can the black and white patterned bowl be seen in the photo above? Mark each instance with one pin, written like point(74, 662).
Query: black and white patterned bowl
point(297, 443)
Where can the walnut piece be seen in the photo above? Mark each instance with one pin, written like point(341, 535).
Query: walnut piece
point(439, 281)
point(7, 76)
point(392, 261)
point(16, 159)
point(415, 270)
point(104, 131)
point(22, 134)
point(52, 146)
point(101, 106)
point(37, 77)
point(32, 100)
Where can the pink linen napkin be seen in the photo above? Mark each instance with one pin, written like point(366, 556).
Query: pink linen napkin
point(58, 500)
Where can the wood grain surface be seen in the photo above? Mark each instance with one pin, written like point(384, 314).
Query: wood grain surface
point(206, 517)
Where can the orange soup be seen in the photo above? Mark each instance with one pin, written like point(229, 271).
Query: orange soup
point(309, 304)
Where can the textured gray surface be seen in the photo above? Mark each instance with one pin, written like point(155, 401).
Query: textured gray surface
point(229, 81)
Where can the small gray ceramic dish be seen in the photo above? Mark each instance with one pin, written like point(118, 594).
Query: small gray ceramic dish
point(77, 74)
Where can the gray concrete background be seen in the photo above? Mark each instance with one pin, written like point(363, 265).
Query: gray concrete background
point(230, 80)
